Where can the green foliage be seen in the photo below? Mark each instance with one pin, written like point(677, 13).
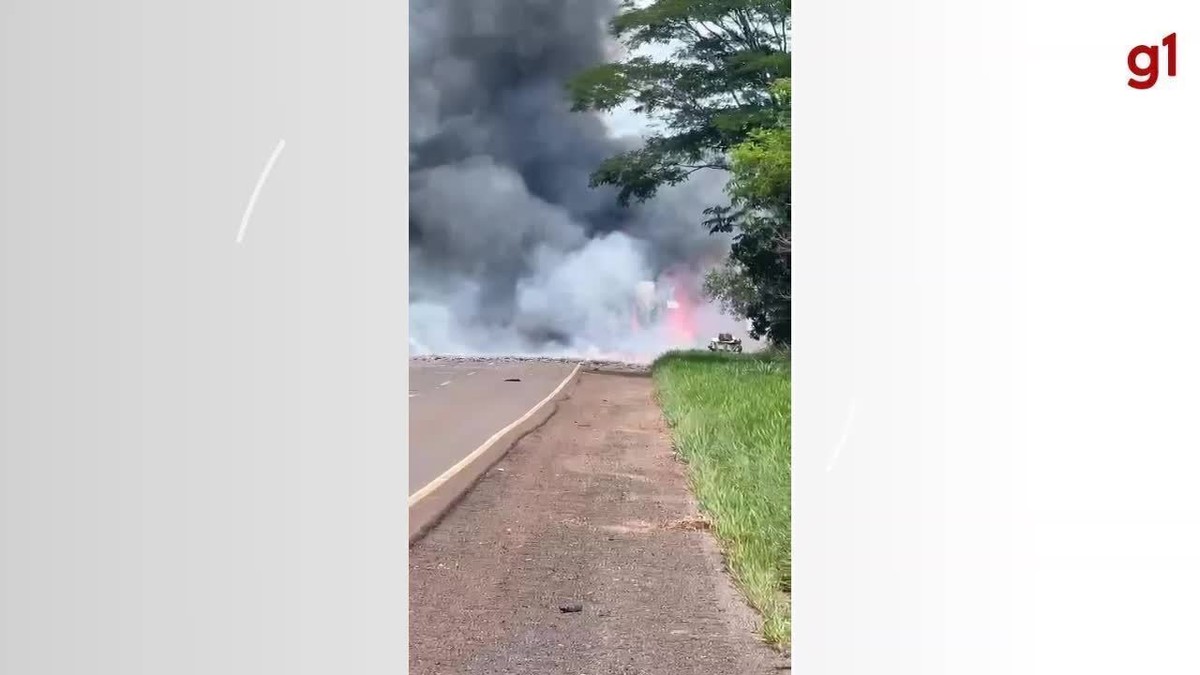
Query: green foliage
point(762, 164)
point(730, 285)
point(756, 280)
point(710, 94)
point(642, 171)
point(723, 101)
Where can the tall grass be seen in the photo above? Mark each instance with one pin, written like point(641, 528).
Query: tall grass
point(730, 417)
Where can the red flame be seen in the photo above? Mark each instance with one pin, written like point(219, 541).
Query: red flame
point(678, 316)
point(681, 318)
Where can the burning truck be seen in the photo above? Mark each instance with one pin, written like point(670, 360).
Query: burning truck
point(667, 304)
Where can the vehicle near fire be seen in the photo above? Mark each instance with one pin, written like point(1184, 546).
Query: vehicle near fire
point(725, 342)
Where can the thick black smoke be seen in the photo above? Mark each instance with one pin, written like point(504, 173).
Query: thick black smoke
point(510, 248)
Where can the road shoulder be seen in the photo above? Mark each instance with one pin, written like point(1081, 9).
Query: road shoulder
point(592, 508)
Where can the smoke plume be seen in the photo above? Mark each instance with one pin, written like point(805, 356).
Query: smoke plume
point(511, 251)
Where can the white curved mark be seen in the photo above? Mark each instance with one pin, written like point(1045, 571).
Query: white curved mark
point(257, 188)
point(845, 436)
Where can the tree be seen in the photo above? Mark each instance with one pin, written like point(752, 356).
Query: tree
point(756, 279)
point(722, 101)
point(709, 94)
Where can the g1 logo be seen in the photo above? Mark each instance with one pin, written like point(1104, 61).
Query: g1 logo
point(1146, 76)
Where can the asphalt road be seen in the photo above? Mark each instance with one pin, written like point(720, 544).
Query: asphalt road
point(591, 508)
point(454, 407)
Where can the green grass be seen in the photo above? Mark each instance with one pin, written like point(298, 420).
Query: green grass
point(730, 416)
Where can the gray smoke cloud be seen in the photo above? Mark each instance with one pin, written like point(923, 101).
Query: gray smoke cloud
point(510, 250)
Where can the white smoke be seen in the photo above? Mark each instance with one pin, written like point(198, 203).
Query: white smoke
point(586, 296)
point(511, 251)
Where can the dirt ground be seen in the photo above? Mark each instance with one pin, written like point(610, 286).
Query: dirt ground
point(593, 508)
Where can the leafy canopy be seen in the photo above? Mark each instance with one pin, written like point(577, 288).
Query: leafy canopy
point(719, 90)
point(709, 94)
point(755, 281)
